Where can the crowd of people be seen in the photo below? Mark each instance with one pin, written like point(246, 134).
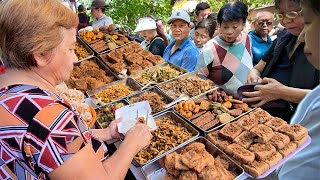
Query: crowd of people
point(43, 136)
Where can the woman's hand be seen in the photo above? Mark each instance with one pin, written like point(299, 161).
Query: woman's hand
point(264, 93)
point(254, 76)
point(140, 135)
point(113, 129)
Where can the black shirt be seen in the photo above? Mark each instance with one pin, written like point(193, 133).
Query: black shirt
point(157, 46)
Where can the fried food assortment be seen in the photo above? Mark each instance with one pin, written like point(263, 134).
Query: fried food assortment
point(256, 146)
point(90, 36)
point(167, 135)
point(158, 75)
point(206, 113)
point(113, 93)
point(88, 76)
point(76, 99)
point(189, 86)
point(195, 162)
point(106, 114)
point(81, 52)
point(156, 101)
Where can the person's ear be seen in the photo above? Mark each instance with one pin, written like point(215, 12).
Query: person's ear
point(41, 59)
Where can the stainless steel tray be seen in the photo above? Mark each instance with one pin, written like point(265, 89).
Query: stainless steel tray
point(98, 124)
point(84, 45)
point(173, 116)
point(192, 75)
point(157, 90)
point(137, 75)
point(128, 82)
point(101, 66)
point(202, 131)
point(156, 171)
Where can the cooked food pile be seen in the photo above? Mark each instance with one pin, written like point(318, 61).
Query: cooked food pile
point(195, 162)
point(130, 59)
point(106, 114)
point(159, 75)
point(167, 135)
point(88, 76)
point(189, 86)
point(217, 108)
point(258, 141)
point(113, 93)
point(81, 52)
point(156, 101)
point(76, 99)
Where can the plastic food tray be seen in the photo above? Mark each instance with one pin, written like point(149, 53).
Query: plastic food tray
point(174, 117)
point(156, 171)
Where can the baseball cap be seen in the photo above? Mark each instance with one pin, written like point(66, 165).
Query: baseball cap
point(145, 23)
point(180, 14)
point(97, 4)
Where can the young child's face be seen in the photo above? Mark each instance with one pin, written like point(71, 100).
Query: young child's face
point(230, 30)
point(311, 35)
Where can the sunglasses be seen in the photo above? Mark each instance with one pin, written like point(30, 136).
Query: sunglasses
point(290, 15)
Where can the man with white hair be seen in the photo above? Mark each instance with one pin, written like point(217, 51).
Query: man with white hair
point(261, 41)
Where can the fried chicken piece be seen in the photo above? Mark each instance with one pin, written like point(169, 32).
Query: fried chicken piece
point(191, 159)
point(88, 64)
point(209, 173)
point(178, 164)
point(94, 84)
point(224, 173)
point(146, 64)
point(188, 175)
point(170, 177)
point(169, 161)
point(80, 84)
point(204, 161)
point(195, 146)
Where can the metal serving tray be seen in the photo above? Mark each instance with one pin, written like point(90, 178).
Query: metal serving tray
point(128, 82)
point(202, 131)
point(192, 75)
point(155, 170)
point(98, 124)
point(157, 90)
point(84, 45)
point(173, 116)
point(137, 75)
point(101, 66)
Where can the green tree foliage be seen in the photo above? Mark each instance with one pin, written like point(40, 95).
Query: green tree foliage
point(126, 13)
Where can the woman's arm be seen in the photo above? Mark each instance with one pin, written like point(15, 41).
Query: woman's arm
point(86, 165)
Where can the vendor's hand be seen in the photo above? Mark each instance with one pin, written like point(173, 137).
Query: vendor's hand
point(264, 93)
point(113, 129)
point(140, 135)
point(253, 77)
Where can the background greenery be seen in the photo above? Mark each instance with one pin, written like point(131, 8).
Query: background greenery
point(126, 13)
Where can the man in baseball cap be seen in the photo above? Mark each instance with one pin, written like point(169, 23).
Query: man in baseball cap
point(181, 51)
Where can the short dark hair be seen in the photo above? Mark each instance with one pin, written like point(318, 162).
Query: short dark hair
point(162, 21)
point(277, 3)
point(201, 6)
point(313, 4)
point(209, 24)
point(80, 8)
point(233, 11)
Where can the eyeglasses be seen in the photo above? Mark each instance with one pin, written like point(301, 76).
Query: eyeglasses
point(268, 23)
point(290, 15)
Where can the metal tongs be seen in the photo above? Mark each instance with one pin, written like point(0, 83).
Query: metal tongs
point(145, 118)
point(148, 84)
